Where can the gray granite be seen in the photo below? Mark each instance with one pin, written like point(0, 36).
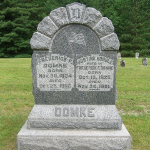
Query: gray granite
point(75, 39)
point(104, 27)
point(75, 12)
point(47, 27)
point(73, 139)
point(54, 82)
point(74, 117)
point(40, 41)
point(110, 42)
point(92, 16)
point(59, 16)
point(144, 61)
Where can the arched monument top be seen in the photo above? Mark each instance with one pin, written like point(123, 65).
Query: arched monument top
point(75, 13)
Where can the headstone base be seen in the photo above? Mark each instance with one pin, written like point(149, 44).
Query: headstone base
point(74, 117)
point(28, 139)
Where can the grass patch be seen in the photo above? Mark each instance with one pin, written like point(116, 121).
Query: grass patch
point(16, 100)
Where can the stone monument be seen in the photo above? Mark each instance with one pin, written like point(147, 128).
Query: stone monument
point(137, 55)
point(122, 63)
point(144, 61)
point(74, 65)
point(119, 55)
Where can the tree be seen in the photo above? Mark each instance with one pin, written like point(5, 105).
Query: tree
point(134, 25)
point(18, 20)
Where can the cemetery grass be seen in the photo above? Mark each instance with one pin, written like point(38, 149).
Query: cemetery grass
point(16, 100)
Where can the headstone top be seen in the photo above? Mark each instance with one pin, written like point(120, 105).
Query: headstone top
point(47, 27)
point(74, 13)
point(92, 16)
point(59, 16)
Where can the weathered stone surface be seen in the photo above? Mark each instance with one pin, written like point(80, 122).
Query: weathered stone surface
point(104, 27)
point(59, 16)
point(54, 80)
point(75, 12)
point(110, 42)
point(75, 117)
point(73, 139)
point(40, 41)
point(92, 16)
point(47, 27)
point(75, 38)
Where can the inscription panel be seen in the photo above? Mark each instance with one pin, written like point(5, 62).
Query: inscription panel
point(95, 73)
point(55, 73)
point(59, 73)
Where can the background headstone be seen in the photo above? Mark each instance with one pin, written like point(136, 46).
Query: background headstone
point(137, 55)
point(74, 66)
point(144, 61)
point(119, 55)
point(122, 63)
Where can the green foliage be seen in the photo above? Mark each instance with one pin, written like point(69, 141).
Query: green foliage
point(134, 24)
point(23, 56)
point(127, 54)
point(19, 19)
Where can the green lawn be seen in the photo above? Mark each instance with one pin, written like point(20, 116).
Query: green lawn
point(16, 100)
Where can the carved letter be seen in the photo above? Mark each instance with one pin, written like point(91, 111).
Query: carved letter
point(82, 111)
point(65, 112)
point(75, 13)
point(57, 112)
point(90, 112)
point(74, 112)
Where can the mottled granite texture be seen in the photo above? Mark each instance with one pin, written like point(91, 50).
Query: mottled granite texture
point(73, 139)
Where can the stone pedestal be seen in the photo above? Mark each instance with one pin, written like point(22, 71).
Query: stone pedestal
point(74, 117)
point(74, 127)
point(73, 139)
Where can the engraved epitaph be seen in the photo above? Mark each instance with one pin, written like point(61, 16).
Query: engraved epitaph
point(74, 65)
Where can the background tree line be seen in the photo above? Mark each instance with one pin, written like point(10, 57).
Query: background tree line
point(19, 19)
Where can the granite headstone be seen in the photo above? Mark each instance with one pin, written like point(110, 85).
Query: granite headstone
point(144, 61)
point(119, 55)
point(122, 63)
point(74, 65)
point(137, 55)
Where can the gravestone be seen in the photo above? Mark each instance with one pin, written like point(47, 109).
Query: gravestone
point(122, 63)
point(119, 55)
point(144, 61)
point(137, 55)
point(74, 65)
